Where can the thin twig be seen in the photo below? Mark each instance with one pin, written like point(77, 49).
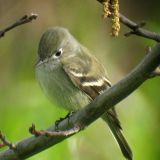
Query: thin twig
point(21, 21)
point(138, 30)
point(5, 142)
point(65, 133)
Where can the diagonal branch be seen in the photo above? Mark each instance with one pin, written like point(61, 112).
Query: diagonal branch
point(23, 20)
point(56, 133)
point(136, 28)
point(90, 113)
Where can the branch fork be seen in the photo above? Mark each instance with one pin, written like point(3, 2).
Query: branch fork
point(5, 142)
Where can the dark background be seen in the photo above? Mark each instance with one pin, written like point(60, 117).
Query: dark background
point(22, 101)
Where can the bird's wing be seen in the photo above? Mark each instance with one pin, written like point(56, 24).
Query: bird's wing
point(89, 76)
point(86, 73)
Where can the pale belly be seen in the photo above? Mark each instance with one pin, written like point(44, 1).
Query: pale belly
point(59, 88)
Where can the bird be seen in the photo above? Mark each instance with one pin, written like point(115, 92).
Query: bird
point(72, 77)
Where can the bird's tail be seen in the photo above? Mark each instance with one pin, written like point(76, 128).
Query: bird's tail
point(114, 125)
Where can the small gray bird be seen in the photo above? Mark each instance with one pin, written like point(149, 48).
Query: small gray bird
point(72, 77)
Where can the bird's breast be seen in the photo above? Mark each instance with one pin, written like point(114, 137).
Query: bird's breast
point(59, 88)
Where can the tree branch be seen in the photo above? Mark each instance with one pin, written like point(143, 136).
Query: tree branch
point(90, 113)
point(136, 28)
point(5, 142)
point(23, 20)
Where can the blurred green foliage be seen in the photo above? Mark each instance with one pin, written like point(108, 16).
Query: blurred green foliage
point(22, 101)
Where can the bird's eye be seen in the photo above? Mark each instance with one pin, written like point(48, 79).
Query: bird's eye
point(58, 53)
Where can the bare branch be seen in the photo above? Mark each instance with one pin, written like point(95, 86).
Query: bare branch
point(5, 142)
point(65, 133)
point(90, 113)
point(23, 20)
point(136, 29)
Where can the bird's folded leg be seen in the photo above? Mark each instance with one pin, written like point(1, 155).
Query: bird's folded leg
point(61, 119)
